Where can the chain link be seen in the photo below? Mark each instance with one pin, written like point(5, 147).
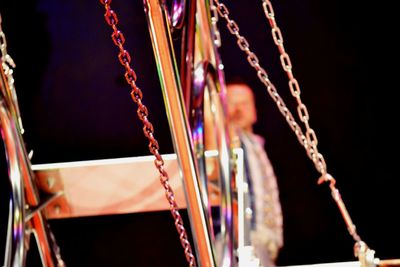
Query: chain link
point(55, 247)
point(3, 41)
point(148, 129)
point(8, 65)
point(308, 140)
point(214, 21)
point(5, 57)
point(286, 63)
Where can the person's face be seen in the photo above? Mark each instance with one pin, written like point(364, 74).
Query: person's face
point(241, 107)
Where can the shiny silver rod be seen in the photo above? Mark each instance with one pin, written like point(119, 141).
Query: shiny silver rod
point(171, 88)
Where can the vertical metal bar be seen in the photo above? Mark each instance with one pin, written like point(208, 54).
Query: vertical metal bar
point(171, 87)
point(240, 191)
point(188, 53)
point(206, 53)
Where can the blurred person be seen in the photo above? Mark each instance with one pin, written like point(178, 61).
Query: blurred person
point(266, 223)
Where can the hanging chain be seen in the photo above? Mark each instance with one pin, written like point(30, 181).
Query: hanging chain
point(5, 57)
point(214, 21)
point(293, 84)
point(148, 130)
point(304, 117)
point(309, 143)
point(8, 66)
point(308, 140)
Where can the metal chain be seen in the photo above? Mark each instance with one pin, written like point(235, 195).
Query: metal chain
point(214, 21)
point(293, 83)
point(148, 130)
point(5, 58)
point(304, 116)
point(309, 140)
point(3, 41)
point(8, 65)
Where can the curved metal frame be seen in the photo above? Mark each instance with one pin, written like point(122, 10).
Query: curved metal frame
point(208, 121)
point(15, 249)
point(178, 14)
point(201, 95)
point(22, 222)
point(192, 18)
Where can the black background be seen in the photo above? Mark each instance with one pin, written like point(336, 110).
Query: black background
point(75, 106)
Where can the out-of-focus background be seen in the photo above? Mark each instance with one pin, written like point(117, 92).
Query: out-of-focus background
point(76, 106)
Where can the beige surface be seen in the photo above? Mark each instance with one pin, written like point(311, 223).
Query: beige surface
point(113, 186)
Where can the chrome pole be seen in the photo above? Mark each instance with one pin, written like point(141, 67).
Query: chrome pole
point(159, 27)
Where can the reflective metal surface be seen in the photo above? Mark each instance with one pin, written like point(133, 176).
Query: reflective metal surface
point(24, 193)
point(15, 249)
point(209, 133)
point(165, 58)
point(196, 91)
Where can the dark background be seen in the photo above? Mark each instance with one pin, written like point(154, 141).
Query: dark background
point(75, 106)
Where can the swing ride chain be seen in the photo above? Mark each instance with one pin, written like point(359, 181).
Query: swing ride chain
point(214, 21)
point(148, 129)
point(8, 66)
point(294, 86)
point(303, 113)
point(308, 140)
point(5, 57)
